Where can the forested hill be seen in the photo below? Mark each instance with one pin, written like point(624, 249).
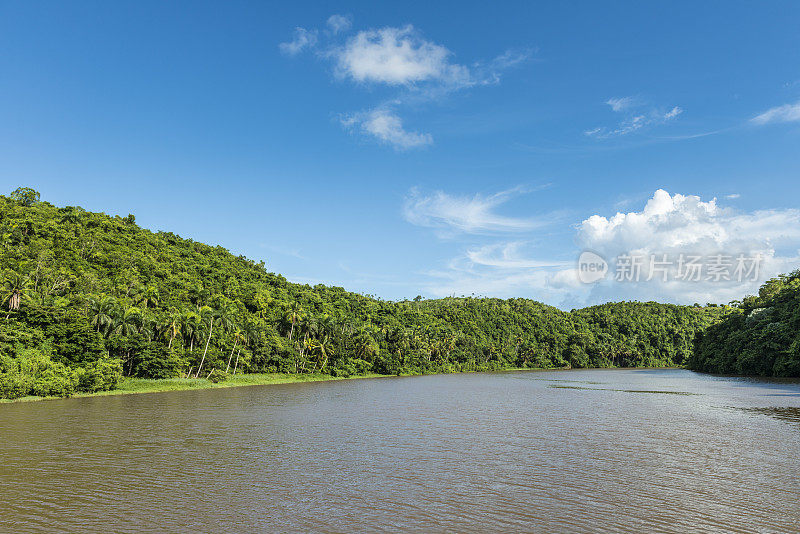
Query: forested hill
point(87, 296)
point(761, 336)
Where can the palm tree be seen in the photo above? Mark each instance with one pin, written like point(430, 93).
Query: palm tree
point(147, 295)
point(102, 312)
point(227, 317)
point(236, 336)
point(197, 295)
point(15, 288)
point(365, 344)
point(210, 317)
point(327, 324)
point(248, 332)
point(173, 326)
point(323, 348)
point(294, 314)
point(128, 322)
point(190, 325)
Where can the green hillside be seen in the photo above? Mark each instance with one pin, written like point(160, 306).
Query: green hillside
point(760, 337)
point(87, 297)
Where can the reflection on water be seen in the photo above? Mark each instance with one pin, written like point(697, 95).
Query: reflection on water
point(790, 414)
point(520, 451)
point(626, 390)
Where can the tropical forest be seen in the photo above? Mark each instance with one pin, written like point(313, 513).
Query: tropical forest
point(90, 299)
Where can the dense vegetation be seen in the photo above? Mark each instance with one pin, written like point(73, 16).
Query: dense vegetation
point(760, 336)
point(88, 297)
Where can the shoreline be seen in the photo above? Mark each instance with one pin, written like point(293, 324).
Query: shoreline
point(134, 386)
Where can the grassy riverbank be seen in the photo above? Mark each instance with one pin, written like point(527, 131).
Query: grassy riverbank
point(129, 385)
point(142, 385)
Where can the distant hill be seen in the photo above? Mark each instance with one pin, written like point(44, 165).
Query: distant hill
point(87, 297)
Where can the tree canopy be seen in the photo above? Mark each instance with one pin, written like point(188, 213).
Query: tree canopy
point(760, 336)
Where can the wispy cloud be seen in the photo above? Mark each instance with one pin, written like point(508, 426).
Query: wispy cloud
point(785, 113)
point(285, 251)
point(339, 23)
point(302, 40)
point(387, 127)
point(468, 214)
point(508, 256)
point(634, 122)
point(618, 104)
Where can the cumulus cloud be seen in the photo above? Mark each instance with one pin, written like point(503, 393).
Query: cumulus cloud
point(469, 214)
point(398, 56)
point(339, 23)
point(388, 128)
point(675, 226)
point(302, 40)
point(785, 113)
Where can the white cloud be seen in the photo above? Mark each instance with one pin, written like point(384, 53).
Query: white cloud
point(490, 73)
point(632, 123)
point(470, 214)
point(387, 128)
point(733, 196)
point(508, 256)
point(684, 224)
point(667, 224)
point(671, 114)
point(505, 270)
point(302, 39)
point(339, 23)
point(785, 113)
point(398, 56)
point(618, 104)
point(422, 70)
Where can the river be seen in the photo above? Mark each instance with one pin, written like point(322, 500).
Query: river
point(617, 450)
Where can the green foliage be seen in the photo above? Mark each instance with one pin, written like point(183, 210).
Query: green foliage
point(157, 361)
point(25, 196)
point(100, 375)
point(32, 372)
point(98, 288)
point(761, 336)
point(216, 376)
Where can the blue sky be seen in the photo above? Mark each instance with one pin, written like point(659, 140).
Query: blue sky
point(406, 148)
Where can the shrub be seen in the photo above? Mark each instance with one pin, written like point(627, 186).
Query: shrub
point(32, 372)
point(102, 375)
point(156, 361)
point(217, 376)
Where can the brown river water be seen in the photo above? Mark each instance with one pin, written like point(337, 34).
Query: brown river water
point(575, 451)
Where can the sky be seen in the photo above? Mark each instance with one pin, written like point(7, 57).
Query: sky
point(411, 148)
